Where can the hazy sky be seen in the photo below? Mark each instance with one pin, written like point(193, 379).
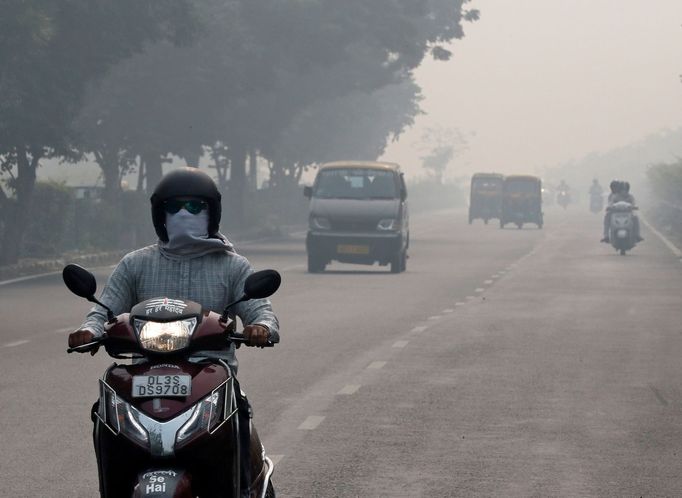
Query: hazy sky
point(537, 82)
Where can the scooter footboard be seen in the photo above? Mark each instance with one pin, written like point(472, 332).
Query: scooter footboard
point(163, 483)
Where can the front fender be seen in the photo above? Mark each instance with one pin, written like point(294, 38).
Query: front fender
point(163, 483)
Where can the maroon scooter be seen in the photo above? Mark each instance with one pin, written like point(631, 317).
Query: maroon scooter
point(167, 425)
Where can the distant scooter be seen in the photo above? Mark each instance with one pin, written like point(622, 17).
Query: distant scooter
point(596, 203)
point(621, 230)
point(563, 198)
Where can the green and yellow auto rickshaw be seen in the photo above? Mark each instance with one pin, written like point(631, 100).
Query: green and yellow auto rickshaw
point(521, 201)
point(485, 201)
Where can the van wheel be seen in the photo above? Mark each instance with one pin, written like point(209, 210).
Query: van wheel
point(399, 262)
point(315, 263)
point(501, 225)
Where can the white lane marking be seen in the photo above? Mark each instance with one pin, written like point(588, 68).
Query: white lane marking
point(275, 459)
point(470, 298)
point(435, 317)
point(673, 248)
point(495, 277)
point(479, 290)
point(349, 389)
point(400, 344)
point(15, 343)
point(65, 329)
point(29, 277)
point(448, 310)
point(311, 423)
point(488, 282)
point(459, 303)
point(420, 328)
point(502, 272)
point(376, 365)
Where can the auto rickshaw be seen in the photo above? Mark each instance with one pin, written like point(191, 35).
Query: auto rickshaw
point(521, 201)
point(485, 201)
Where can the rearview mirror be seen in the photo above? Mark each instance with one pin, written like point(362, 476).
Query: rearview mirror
point(262, 284)
point(79, 281)
point(258, 285)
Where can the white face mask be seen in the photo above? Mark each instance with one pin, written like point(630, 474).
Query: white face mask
point(184, 226)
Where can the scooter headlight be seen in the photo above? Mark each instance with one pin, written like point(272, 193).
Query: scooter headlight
point(207, 416)
point(165, 337)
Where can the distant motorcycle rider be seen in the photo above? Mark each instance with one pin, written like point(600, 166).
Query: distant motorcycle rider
point(620, 192)
point(596, 189)
point(192, 260)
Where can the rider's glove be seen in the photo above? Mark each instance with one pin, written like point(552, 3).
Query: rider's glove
point(80, 337)
point(256, 335)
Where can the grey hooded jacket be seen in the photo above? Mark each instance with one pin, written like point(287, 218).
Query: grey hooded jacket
point(212, 280)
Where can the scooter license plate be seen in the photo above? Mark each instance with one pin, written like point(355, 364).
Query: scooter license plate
point(154, 386)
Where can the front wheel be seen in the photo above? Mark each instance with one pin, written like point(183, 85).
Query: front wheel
point(270, 492)
point(622, 252)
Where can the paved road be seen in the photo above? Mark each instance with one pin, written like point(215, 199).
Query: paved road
point(503, 363)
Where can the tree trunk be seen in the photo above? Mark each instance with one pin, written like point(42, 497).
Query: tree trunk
point(237, 186)
point(154, 170)
point(17, 221)
point(108, 163)
point(140, 175)
point(253, 170)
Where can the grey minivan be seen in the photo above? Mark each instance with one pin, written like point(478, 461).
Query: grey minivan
point(358, 214)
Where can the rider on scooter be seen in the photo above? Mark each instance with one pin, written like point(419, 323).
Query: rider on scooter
point(192, 260)
point(620, 192)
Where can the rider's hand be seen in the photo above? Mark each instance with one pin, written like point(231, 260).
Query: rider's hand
point(256, 335)
point(80, 337)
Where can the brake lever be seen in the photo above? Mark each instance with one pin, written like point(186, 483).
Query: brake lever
point(90, 346)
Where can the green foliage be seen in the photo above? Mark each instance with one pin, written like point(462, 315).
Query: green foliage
point(666, 181)
point(51, 213)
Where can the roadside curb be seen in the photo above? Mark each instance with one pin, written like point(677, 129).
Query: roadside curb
point(29, 269)
point(673, 248)
point(33, 269)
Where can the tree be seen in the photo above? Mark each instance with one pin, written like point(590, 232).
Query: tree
point(261, 75)
point(444, 145)
point(50, 52)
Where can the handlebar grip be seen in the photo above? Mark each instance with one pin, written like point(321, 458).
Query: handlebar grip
point(239, 339)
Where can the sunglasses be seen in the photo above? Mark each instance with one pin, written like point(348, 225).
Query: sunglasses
point(194, 207)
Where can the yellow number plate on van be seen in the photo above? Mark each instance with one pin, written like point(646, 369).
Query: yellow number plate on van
point(351, 249)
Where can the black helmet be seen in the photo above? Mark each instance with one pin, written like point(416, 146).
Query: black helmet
point(185, 182)
point(614, 186)
point(626, 187)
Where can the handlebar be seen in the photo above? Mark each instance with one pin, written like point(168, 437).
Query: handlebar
point(234, 337)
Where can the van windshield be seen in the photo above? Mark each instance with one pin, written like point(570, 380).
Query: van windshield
point(521, 187)
point(487, 184)
point(355, 183)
